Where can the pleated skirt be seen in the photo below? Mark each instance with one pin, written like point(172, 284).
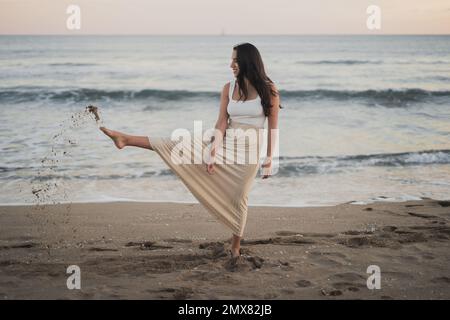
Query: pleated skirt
point(223, 193)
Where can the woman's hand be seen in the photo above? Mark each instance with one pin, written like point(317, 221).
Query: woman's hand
point(267, 167)
point(210, 164)
point(210, 168)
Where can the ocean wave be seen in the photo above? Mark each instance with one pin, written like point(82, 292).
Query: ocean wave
point(384, 97)
point(441, 78)
point(388, 97)
point(8, 174)
point(342, 62)
point(293, 166)
point(88, 95)
point(288, 166)
point(350, 62)
point(71, 64)
point(426, 62)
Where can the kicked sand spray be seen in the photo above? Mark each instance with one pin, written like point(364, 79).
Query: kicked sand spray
point(49, 188)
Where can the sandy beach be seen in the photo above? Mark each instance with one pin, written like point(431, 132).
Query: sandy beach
point(179, 251)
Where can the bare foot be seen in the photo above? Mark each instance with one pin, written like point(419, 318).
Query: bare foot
point(117, 137)
point(235, 253)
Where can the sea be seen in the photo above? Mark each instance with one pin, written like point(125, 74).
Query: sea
point(365, 118)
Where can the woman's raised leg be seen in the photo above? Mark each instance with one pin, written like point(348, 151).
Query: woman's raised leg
point(122, 140)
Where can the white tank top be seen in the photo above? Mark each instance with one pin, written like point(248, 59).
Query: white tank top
point(249, 112)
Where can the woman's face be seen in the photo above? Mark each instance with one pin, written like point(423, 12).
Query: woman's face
point(234, 65)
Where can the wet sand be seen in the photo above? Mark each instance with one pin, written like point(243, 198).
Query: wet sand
point(179, 251)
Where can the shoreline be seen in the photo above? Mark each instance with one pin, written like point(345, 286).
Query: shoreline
point(129, 250)
point(381, 199)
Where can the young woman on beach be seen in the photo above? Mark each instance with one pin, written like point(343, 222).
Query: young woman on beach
point(245, 103)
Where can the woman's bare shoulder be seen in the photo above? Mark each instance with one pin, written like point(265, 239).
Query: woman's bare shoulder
point(226, 86)
point(226, 89)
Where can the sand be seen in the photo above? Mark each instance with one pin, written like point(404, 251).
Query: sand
point(134, 250)
point(94, 110)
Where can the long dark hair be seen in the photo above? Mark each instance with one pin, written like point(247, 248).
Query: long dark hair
point(251, 67)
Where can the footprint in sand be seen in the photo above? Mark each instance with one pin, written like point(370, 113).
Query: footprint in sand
point(328, 262)
point(357, 242)
point(287, 240)
point(176, 240)
point(350, 277)
point(147, 245)
point(389, 228)
point(284, 265)
point(349, 286)
point(421, 215)
point(428, 256)
point(330, 292)
point(98, 249)
point(441, 280)
point(444, 203)
point(356, 232)
point(287, 233)
point(217, 249)
point(243, 263)
point(25, 245)
point(303, 283)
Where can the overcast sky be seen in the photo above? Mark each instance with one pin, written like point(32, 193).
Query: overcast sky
point(229, 16)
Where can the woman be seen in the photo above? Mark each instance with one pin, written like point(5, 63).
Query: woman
point(245, 103)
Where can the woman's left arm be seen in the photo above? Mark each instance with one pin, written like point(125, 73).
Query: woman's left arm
point(272, 120)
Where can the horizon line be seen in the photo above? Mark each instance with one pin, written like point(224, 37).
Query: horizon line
point(224, 35)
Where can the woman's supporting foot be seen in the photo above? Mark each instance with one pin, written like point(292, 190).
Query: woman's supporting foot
point(235, 246)
point(118, 138)
point(235, 253)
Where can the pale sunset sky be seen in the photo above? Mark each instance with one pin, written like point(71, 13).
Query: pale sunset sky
point(230, 16)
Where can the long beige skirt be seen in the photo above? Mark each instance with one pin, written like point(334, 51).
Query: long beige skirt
point(223, 193)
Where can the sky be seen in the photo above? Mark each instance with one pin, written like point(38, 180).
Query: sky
point(228, 16)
